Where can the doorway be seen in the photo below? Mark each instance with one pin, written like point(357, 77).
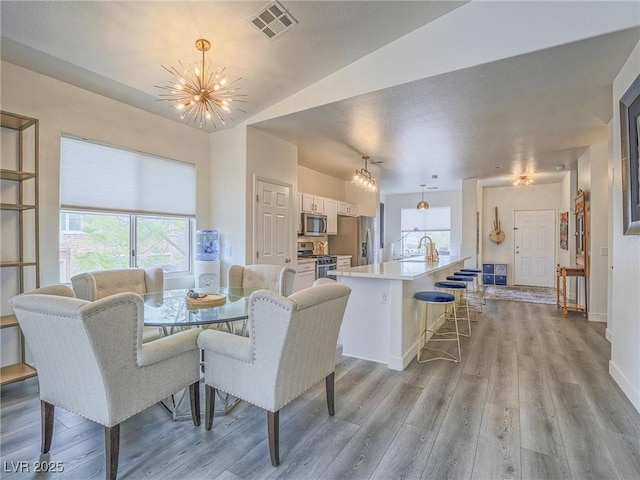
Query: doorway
point(534, 255)
point(273, 233)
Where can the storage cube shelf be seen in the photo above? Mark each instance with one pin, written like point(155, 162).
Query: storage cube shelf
point(494, 273)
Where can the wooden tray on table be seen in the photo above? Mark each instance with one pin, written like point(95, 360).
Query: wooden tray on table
point(210, 300)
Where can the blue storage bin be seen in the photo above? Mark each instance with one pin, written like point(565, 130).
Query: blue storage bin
point(487, 268)
point(488, 279)
point(501, 279)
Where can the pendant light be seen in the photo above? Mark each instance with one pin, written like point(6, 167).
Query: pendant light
point(422, 204)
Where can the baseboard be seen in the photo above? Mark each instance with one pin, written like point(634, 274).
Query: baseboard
point(597, 317)
point(625, 385)
point(607, 334)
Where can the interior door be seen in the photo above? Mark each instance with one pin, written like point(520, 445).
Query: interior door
point(273, 234)
point(534, 248)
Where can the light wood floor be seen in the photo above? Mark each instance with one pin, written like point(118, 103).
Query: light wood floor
point(532, 399)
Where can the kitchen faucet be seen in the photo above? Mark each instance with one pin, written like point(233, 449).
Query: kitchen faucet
point(430, 254)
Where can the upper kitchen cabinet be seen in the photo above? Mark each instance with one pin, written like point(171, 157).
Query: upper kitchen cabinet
point(331, 211)
point(348, 209)
point(311, 203)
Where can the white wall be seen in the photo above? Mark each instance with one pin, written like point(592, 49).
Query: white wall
point(598, 238)
point(508, 200)
point(228, 195)
point(321, 184)
point(64, 108)
point(393, 204)
point(472, 232)
point(624, 325)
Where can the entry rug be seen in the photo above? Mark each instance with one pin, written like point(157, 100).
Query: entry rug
point(522, 294)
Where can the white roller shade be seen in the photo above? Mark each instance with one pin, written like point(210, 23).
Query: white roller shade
point(433, 218)
point(99, 177)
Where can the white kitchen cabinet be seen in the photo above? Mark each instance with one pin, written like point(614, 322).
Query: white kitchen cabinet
point(331, 211)
point(347, 209)
point(311, 203)
point(343, 262)
point(305, 275)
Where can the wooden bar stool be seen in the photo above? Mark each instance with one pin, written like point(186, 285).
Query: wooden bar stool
point(457, 289)
point(436, 298)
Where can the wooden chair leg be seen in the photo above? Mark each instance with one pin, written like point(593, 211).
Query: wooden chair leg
point(210, 400)
point(112, 447)
point(194, 396)
point(273, 427)
point(47, 411)
point(330, 388)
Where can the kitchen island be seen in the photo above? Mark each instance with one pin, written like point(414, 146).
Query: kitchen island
point(381, 320)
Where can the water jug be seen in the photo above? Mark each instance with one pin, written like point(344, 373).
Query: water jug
point(207, 242)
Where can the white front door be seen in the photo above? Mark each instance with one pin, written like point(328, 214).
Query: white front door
point(273, 233)
point(535, 247)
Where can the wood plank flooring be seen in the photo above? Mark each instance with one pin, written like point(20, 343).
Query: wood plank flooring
point(532, 399)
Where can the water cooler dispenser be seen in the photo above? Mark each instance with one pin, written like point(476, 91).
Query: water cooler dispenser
point(207, 267)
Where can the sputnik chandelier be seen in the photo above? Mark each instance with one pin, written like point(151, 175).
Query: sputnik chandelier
point(523, 181)
point(363, 179)
point(200, 93)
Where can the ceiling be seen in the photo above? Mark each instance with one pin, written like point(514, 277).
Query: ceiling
point(525, 114)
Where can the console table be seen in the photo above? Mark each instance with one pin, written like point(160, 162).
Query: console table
point(561, 289)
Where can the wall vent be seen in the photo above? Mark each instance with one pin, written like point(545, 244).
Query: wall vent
point(273, 20)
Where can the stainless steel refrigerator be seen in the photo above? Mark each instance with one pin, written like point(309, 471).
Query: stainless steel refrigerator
point(356, 238)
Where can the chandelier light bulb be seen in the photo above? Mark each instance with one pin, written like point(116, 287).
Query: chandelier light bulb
point(205, 96)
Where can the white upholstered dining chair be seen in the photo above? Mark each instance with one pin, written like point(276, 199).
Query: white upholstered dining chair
point(271, 277)
point(291, 347)
point(91, 360)
point(102, 283)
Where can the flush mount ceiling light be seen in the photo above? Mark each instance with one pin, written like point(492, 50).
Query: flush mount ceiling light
point(422, 204)
point(523, 181)
point(200, 93)
point(363, 179)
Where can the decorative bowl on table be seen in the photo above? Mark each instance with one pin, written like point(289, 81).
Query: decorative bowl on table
point(195, 300)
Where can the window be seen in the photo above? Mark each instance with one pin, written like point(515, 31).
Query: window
point(434, 222)
point(123, 209)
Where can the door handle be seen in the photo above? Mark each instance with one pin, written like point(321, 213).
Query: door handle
point(287, 260)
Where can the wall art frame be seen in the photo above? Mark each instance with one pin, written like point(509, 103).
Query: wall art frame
point(564, 230)
point(629, 137)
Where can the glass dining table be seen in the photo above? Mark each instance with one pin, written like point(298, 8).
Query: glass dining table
point(170, 311)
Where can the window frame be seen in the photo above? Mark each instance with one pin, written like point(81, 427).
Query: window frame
point(133, 224)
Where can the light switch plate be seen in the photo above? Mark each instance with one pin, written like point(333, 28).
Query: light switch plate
point(604, 251)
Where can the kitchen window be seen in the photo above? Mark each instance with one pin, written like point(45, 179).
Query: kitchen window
point(434, 222)
point(122, 209)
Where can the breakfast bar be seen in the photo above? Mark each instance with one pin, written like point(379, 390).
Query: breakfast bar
point(381, 320)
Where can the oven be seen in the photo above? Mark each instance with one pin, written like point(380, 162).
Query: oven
point(325, 263)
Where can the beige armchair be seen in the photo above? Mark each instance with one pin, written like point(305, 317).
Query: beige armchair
point(291, 346)
point(99, 284)
point(271, 277)
point(92, 362)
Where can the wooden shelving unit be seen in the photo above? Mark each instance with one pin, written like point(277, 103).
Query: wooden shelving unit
point(581, 269)
point(23, 182)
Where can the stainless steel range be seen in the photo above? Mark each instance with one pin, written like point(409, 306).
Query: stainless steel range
point(324, 263)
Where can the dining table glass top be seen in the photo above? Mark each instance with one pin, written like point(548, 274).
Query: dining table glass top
point(170, 309)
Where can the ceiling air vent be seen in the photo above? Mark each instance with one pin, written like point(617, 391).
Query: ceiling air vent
point(273, 20)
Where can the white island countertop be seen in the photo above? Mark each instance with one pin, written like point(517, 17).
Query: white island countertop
point(408, 269)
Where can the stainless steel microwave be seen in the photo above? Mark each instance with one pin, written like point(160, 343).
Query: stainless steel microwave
point(314, 225)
